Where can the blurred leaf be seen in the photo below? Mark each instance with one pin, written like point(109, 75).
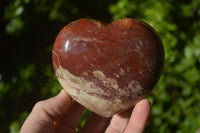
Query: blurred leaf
point(14, 127)
point(84, 118)
point(15, 26)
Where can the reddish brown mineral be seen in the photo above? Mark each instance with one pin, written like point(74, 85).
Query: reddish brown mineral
point(108, 67)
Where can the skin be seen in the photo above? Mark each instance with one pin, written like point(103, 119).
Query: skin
point(61, 114)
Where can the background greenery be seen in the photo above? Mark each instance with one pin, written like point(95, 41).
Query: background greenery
point(27, 32)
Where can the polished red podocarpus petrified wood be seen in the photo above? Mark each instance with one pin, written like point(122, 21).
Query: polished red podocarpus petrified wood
point(108, 67)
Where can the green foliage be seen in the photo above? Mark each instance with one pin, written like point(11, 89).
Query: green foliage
point(29, 27)
point(83, 120)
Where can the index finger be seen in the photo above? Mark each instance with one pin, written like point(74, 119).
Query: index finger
point(139, 117)
point(44, 113)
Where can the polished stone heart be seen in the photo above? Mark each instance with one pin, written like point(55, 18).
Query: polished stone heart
point(108, 67)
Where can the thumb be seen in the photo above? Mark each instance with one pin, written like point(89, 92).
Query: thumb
point(44, 113)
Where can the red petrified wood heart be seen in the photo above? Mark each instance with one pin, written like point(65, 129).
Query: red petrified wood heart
point(108, 67)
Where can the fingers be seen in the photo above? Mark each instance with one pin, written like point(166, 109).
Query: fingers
point(117, 124)
point(120, 123)
point(139, 117)
point(96, 124)
point(70, 120)
point(45, 113)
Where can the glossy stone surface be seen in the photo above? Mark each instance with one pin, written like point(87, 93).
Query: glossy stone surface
point(108, 67)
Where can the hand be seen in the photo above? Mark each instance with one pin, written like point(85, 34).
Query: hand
point(61, 114)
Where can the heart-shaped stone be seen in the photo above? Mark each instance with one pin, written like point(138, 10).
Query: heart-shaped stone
point(108, 67)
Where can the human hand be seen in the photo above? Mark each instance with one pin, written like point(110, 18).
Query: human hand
point(61, 114)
